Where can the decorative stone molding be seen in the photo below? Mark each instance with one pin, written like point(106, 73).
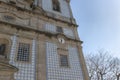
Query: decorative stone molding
point(6, 70)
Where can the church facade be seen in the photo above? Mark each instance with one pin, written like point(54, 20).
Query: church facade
point(39, 41)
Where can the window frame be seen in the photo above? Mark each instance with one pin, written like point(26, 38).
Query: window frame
point(59, 29)
point(67, 59)
point(56, 3)
point(30, 52)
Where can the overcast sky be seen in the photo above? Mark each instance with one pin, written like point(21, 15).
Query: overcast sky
point(99, 24)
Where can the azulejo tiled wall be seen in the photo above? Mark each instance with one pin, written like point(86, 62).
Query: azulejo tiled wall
point(52, 29)
point(26, 70)
point(55, 71)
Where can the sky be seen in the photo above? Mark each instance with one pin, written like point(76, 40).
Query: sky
point(99, 24)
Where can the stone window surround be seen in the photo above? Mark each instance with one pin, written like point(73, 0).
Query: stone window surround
point(56, 5)
point(23, 52)
point(30, 52)
point(63, 52)
point(64, 63)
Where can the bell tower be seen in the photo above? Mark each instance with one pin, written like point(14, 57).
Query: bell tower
point(42, 40)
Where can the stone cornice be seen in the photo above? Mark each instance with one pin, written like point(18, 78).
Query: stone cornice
point(40, 12)
point(7, 67)
point(28, 28)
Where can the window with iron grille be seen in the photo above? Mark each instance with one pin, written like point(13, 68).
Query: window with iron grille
point(23, 52)
point(64, 60)
point(59, 29)
point(2, 49)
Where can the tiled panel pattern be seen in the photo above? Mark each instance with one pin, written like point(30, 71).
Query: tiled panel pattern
point(13, 49)
point(55, 72)
point(47, 5)
point(50, 28)
point(64, 8)
point(68, 32)
point(26, 70)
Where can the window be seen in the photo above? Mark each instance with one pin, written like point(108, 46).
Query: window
point(59, 29)
point(23, 52)
point(64, 60)
point(56, 5)
point(2, 49)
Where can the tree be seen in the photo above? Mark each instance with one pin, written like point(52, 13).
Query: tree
point(90, 67)
point(116, 68)
point(99, 65)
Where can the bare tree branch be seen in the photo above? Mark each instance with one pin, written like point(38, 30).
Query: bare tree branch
point(101, 66)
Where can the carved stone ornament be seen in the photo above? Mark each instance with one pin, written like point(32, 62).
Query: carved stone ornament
point(6, 70)
point(8, 18)
point(61, 40)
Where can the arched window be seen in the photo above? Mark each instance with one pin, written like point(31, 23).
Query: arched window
point(56, 5)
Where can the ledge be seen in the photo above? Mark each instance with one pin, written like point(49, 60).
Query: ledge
point(5, 66)
point(29, 28)
point(39, 11)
